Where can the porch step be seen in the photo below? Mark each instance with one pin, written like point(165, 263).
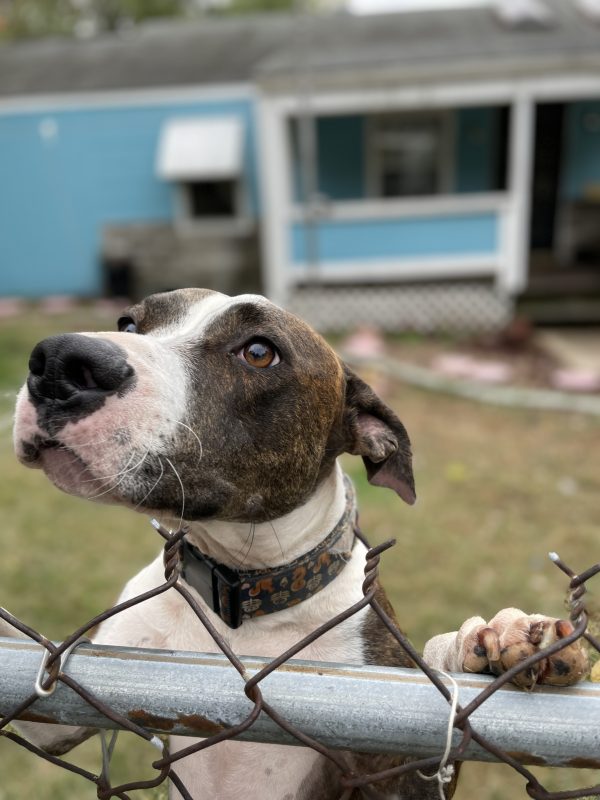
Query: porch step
point(566, 310)
point(582, 282)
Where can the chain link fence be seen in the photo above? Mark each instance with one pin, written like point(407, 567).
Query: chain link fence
point(53, 669)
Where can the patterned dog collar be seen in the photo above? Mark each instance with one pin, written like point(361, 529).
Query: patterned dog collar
point(238, 596)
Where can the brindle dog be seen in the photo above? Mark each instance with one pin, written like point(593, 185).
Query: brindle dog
point(230, 414)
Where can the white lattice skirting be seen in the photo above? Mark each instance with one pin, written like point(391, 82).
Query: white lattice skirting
point(425, 308)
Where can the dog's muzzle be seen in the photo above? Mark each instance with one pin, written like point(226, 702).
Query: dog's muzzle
point(75, 373)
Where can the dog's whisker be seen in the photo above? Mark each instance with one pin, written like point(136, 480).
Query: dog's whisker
point(106, 491)
point(278, 540)
point(140, 464)
point(170, 463)
point(119, 473)
point(124, 471)
point(238, 561)
point(74, 457)
point(91, 442)
point(154, 485)
point(123, 475)
point(194, 434)
point(247, 553)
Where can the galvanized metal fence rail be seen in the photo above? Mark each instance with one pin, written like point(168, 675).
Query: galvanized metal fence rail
point(369, 709)
point(365, 708)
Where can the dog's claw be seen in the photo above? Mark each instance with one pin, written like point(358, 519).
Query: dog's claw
point(569, 665)
point(489, 639)
point(536, 632)
point(563, 628)
point(511, 637)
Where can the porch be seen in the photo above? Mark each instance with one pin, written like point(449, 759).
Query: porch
point(564, 270)
point(431, 185)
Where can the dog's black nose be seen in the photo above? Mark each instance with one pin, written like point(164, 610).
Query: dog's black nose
point(76, 372)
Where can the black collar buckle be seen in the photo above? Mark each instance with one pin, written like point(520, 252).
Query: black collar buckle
point(216, 584)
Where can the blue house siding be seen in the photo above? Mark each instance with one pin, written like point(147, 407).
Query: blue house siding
point(476, 149)
point(406, 238)
point(341, 157)
point(67, 172)
point(581, 159)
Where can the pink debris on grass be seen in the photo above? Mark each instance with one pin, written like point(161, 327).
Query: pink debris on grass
point(57, 304)
point(491, 372)
point(576, 380)
point(454, 365)
point(111, 305)
point(10, 307)
point(365, 342)
point(458, 365)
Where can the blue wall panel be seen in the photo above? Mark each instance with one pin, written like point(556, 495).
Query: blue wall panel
point(581, 170)
point(340, 158)
point(476, 149)
point(406, 238)
point(66, 173)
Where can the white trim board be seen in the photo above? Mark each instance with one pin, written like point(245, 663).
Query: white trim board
point(441, 205)
point(442, 95)
point(550, 87)
point(125, 97)
point(397, 270)
point(274, 162)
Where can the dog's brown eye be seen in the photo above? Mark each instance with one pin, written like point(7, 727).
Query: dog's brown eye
point(260, 354)
point(126, 325)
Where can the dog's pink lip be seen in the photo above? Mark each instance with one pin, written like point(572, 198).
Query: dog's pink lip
point(66, 469)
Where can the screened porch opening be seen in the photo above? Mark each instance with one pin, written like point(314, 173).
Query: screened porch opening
point(565, 218)
point(403, 194)
point(392, 155)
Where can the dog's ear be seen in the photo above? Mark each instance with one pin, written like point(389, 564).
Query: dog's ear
point(374, 432)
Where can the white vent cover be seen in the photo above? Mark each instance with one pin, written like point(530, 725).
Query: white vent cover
point(200, 148)
point(523, 13)
point(590, 8)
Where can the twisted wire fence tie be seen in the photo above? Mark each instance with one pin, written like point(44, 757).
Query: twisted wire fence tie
point(445, 771)
point(57, 667)
point(172, 559)
point(373, 558)
point(107, 753)
point(576, 603)
point(577, 587)
point(576, 579)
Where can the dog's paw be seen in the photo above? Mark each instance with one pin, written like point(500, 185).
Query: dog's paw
point(512, 636)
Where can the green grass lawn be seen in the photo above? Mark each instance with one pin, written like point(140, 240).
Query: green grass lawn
point(497, 490)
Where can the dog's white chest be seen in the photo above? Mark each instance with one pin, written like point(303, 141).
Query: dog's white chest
point(248, 771)
point(233, 770)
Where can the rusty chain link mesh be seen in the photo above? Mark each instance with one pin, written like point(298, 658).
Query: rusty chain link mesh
point(166, 765)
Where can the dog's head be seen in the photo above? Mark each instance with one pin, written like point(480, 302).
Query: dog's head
point(206, 405)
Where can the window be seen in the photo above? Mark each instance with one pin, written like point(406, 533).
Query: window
point(206, 199)
point(202, 157)
point(407, 155)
